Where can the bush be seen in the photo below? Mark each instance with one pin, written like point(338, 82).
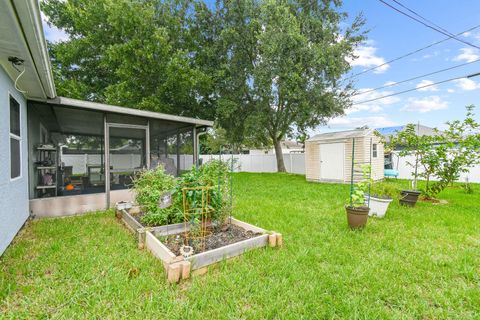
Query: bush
point(384, 190)
point(151, 184)
point(214, 174)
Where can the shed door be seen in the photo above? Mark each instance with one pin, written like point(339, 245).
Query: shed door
point(332, 158)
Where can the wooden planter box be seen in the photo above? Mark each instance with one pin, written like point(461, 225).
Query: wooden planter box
point(178, 267)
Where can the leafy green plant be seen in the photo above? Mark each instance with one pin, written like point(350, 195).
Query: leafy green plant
point(467, 188)
point(383, 190)
point(149, 185)
point(357, 195)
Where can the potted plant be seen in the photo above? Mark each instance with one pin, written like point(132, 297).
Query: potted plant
point(379, 199)
point(357, 211)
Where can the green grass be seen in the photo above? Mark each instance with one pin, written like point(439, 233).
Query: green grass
point(415, 263)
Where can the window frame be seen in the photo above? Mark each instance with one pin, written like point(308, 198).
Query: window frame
point(14, 136)
point(375, 150)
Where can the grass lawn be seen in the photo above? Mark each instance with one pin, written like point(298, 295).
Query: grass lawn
point(415, 263)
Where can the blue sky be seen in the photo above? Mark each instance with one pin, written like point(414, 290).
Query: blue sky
point(391, 35)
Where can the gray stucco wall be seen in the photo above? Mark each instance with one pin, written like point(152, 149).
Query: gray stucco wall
point(14, 209)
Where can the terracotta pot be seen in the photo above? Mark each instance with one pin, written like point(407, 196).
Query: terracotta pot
point(409, 197)
point(357, 217)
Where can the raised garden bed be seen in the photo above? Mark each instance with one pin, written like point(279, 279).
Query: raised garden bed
point(164, 243)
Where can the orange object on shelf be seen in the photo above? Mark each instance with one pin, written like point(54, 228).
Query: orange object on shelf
point(69, 187)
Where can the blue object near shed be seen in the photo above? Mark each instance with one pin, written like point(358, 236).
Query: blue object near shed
point(389, 173)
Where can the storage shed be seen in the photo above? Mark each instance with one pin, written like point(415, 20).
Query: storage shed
point(328, 156)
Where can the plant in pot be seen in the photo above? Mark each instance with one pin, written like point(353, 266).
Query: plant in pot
point(357, 211)
point(379, 199)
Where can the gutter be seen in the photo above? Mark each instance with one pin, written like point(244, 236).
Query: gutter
point(27, 13)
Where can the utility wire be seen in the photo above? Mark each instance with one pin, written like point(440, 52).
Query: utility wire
point(415, 78)
point(411, 53)
point(417, 88)
point(421, 17)
point(427, 25)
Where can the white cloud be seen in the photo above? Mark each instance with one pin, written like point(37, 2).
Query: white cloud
point(467, 55)
point(365, 94)
point(450, 90)
point(366, 57)
point(52, 33)
point(467, 84)
point(426, 83)
point(355, 122)
point(423, 105)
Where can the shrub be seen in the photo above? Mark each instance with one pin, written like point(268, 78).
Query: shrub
point(149, 185)
point(384, 190)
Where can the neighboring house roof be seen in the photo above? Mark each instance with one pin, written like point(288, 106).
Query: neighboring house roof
point(290, 144)
point(422, 130)
point(22, 37)
point(357, 133)
point(390, 130)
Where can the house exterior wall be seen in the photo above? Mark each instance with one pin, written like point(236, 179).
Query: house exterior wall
point(13, 193)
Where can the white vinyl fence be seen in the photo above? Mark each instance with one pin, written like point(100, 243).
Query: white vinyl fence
point(405, 171)
point(294, 163)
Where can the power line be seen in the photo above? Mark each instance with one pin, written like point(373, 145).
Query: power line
point(421, 17)
point(417, 88)
point(416, 77)
point(411, 53)
point(427, 25)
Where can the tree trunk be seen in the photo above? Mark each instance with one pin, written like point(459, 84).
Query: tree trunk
point(279, 156)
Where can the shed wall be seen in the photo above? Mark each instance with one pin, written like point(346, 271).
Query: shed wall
point(361, 154)
point(312, 161)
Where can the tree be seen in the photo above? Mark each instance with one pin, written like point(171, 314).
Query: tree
point(418, 146)
point(282, 62)
point(459, 150)
point(138, 54)
point(444, 155)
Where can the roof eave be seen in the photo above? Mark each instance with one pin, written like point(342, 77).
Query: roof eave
point(29, 18)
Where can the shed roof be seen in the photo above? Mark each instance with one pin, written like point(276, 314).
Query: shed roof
point(357, 133)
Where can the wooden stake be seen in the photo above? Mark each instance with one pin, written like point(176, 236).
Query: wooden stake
point(279, 240)
point(186, 266)
point(173, 274)
point(141, 239)
point(272, 240)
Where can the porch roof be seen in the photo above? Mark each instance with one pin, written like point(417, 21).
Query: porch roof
point(62, 101)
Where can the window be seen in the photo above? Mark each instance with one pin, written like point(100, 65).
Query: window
point(374, 150)
point(15, 139)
